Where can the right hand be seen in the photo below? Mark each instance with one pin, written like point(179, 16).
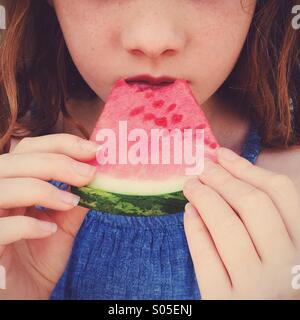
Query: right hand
point(34, 266)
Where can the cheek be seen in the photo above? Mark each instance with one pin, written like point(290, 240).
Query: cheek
point(87, 32)
point(218, 41)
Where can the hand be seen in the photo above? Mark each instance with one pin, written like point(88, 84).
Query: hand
point(243, 229)
point(34, 266)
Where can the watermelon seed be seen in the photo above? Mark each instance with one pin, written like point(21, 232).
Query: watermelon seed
point(149, 94)
point(176, 118)
point(149, 117)
point(137, 111)
point(161, 122)
point(158, 104)
point(213, 145)
point(171, 107)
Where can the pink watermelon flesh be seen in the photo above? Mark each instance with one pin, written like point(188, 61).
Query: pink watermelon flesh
point(147, 107)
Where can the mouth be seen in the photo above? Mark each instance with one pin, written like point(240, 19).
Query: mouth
point(147, 81)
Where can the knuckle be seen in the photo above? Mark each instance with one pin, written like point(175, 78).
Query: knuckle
point(3, 159)
point(34, 182)
point(23, 143)
point(218, 175)
point(27, 139)
point(226, 180)
point(66, 136)
point(202, 191)
point(41, 191)
point(280, 182)
point(251, 197)
point(4, 186)
point(64, 159)
point(22, 220)
point(35, 185)
point(244, 165)
point(53, 158)
point(190, 186)
point(228, 225)
point(194, 190)
point(68, 139)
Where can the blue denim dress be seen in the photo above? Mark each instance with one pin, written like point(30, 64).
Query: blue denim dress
point(133, 257)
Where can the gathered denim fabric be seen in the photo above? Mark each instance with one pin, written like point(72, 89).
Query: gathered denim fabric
point(134, 257)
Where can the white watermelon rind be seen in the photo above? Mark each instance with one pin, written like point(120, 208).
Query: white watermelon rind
point(134, 186)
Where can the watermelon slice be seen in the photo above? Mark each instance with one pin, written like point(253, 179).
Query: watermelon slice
point(134, 175)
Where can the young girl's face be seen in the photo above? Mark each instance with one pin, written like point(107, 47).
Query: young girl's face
point(196, 40)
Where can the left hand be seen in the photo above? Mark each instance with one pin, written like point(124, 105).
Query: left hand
point(243, 229)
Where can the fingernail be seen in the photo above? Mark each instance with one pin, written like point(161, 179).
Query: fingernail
point(83, 169)
point(87, 145)
point(227, 154)
point(189, 209)
point(69, 198)
point(48, 227)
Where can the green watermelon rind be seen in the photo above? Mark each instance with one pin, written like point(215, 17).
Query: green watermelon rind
point(131, 205)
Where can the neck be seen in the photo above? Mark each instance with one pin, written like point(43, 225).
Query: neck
point(229, 126)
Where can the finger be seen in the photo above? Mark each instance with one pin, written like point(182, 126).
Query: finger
point(16, 228)
point(226, 229)
point(26, 192)
point(213, 279)
point(280, 188)
point(46, 166)
point(63, 143)
point(255, 208)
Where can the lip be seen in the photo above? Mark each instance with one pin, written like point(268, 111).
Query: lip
point(150, 80)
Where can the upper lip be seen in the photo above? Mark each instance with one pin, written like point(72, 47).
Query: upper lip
point(150, 79)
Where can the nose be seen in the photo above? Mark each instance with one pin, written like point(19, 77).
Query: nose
point(152, 34)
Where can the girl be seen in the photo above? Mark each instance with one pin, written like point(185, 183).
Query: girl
point(240, 234)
